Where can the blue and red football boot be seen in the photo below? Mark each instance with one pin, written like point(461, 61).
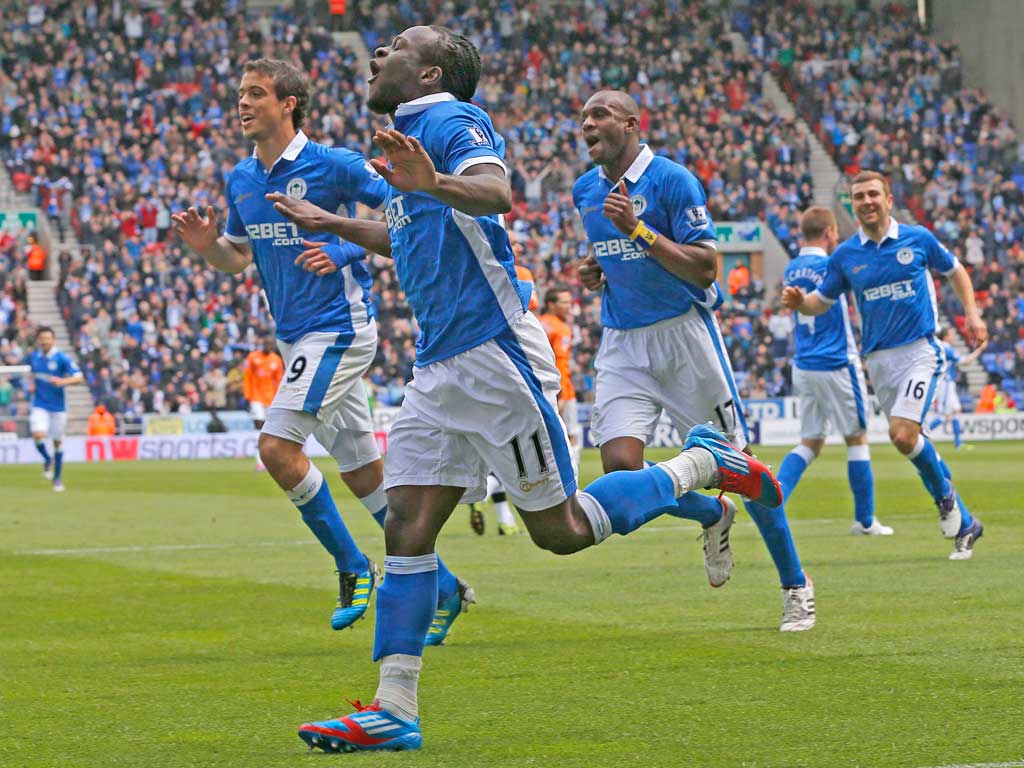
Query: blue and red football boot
point(738, 472)
point(368, 729)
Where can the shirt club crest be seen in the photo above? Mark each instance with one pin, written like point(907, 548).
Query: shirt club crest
point(904, 256)
point(296, 188)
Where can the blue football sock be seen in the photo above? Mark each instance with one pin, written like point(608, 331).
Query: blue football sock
point(929, 467)
point(966, 519)
point(633, 498)
point(446, 582)
point(313, 498)
point(934, 423)
point(792, 468)
point(705, 509)
point(957, 441)
point(946, 471)
point(774, 530)
point(862, 483)
point(406, 602)
point(41, 447)
point(58, 464)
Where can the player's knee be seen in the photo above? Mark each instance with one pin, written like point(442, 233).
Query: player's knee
point(275, 452)
point(615, 459)
point(558, 543)
point(559, 531)
point(904, 436)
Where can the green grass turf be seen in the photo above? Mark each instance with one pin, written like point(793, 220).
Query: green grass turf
point(176, 614)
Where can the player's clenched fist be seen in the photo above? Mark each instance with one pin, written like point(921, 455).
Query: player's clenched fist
point(591, 274)
point(618, 209)
point(793, 297)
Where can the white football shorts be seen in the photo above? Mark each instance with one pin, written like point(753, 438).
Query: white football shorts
point(947, 399)
point(906, 378)
point(53, 424)
point(830, 400)
point(679, 366)
point(493, 408)
point(324, 378)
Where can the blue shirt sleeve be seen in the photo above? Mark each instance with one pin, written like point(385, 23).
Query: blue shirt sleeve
point(235, 228)
point(359, 180)
point(67, 365)
point(462, 138)
point(835, 283)
point(687, 208)
point(937, 256)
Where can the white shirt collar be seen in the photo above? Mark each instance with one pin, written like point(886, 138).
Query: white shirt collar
point(892, 233)
point(637, 168)
point(423, 102)
point(295, 146)
point(812, 250)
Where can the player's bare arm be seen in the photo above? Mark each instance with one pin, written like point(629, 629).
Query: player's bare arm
point(696, 264)
point(795, 298)
point(201, 234)
point(371, 235)
point(974, 327)
point(482, 190)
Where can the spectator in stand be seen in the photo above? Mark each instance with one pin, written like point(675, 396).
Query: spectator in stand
point(101, 422)
point(35, 258)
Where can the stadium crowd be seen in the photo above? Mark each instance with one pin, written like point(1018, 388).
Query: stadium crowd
point(112, 132)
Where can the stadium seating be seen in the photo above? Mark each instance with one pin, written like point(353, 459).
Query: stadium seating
point(119, 131)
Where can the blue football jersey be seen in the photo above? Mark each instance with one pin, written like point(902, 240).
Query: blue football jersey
point(333, 179)
point(457, 271)
point(45, 367)
point(952, 361)
point(891, 283)
point(824, 342)
point(666, 197)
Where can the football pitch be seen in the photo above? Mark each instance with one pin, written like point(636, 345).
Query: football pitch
point(176, 614)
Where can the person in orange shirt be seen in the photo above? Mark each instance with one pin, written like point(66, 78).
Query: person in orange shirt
point(557, 313)
point(35, 259)
point(524, 275)
point(101, 422)
point(263, 371)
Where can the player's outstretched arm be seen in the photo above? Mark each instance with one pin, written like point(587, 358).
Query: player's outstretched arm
point(694, 263)
point(974, 327)
point(200, 233)
point(795, 298)
point(973, 355)
point(482, 190)
point(371, 235)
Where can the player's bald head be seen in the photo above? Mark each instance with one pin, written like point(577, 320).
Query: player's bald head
point(617, 101)
point(611, 127)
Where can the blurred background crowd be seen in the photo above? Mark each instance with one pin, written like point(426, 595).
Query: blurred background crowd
point(113, 117)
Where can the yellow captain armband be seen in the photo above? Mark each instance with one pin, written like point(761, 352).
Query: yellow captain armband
point(643, 235)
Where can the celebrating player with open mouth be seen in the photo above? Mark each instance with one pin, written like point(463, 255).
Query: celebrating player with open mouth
point(319, 295)
point(484, 389)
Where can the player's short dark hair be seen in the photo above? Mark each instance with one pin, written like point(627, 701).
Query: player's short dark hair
point(44, 329)
point(864, 176)
point(552, 293)
point(289, 80)
point(459, 61)
point(815, 220)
